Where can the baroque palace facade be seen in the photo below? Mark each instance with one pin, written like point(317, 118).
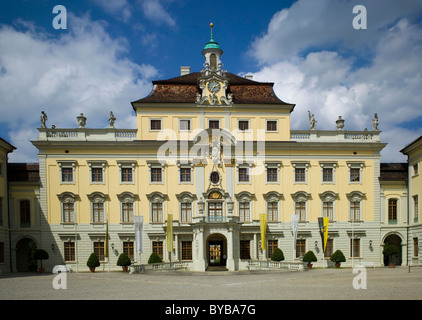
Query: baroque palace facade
point(212, 153)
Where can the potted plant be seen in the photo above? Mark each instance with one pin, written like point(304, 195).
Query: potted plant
point(124, 261)
point(41, 254)
point(389, 251)
point(309, 257)
point(154, 258)
point(93, 262)
point(277, 255)
point(338, 257)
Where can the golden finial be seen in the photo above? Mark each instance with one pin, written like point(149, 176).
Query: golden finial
point(211, 25)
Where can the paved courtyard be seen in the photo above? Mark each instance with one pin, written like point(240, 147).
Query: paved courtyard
point(381, 283)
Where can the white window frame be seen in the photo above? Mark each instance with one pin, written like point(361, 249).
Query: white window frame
point(97, 164)
point(190, 124)
point(185, 166)
point(329, 196)
point(273, 196)
point(155, 119)
point(248, 168)
point(242, 197)
point(125, 198)
point(67, 165)
point(249, 125)
point(301, 196)
point(355, 165)
point(219, 123)
point(98, 197)
point(328, 165)
point(356, 196)
point(300, 165)
point(266, 126)
point(65, 198)
point(272, 166)
point(156, 165)
point(126, 165)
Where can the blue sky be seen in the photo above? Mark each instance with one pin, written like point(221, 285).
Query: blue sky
point(112, 50)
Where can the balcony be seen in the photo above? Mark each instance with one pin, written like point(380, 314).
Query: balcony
point(334, 136)
point(82, 134)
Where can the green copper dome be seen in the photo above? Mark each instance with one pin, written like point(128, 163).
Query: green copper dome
point(212, 44)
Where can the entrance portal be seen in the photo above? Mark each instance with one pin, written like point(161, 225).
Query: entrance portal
point(217, 250)
point(24, 251)
point(396, 241)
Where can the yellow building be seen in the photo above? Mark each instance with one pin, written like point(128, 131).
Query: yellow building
point(414, 192)
point(215, 151)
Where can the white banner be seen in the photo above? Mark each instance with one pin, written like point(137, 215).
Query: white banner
point(294, 219)
point(139, 226)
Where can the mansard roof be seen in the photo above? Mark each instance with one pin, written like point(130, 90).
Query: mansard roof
point(183, 89)
point(393, 172)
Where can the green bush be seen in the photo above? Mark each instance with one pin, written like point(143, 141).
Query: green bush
point(277, 255)
point(338, 257)
point(93, 261)
point(154, 258)
point(309, 257)
point(123, 260)
point(390, 250)
point(40, 254)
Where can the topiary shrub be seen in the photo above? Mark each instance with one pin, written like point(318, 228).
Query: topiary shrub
point(389, 251)
point(41, 254)
point(123, 260)
point(154, 258)
point(310, 257)
point(338, 257)
point(93, 261)
point(277, 255)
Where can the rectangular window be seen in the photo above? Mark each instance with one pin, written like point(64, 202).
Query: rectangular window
point(185, 175)
point(97, 174)
point(127, 212)
point(243, 125)
point(300, 175)
point(354, 175)
point(126, 175)
point(355, 248)
point(186, 211)
point(244, 211)
point(186, 250)
point(272, 211)
point(128, 249)
point(415, 247)
point(69, 251)
point(272, 175)
point(99, 250)
point(415, 209)
point(271, 125)
point(272, 245)
point(328, 210)
point(243, 175)
point(68, 209)
point(327, 174)
point(67, 174)
point(155, 125)
point(157, 247)
point(392, 211)
point(157, 212)
point(215, 211)
point(300, 209)
point(156, 175)
point(415, 169)
point(214, 124)
point(25, 214)
point(245, 249)
point(355, 211)
point(184, 125)
point(300, 247)
point(98, 212)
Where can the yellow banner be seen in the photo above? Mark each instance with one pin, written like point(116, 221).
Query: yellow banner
point(263, 225)
point(323, 228)
point(169, 232)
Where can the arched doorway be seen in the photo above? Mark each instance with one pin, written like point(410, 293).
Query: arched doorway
point(216, 250)
point(394, 239)
point(24, 251)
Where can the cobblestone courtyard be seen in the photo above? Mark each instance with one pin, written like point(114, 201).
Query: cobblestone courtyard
point(382, 283)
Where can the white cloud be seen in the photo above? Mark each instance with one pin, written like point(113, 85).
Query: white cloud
point(79, 71)
point(119, 8)
point(333, 82)
point(155, 11)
